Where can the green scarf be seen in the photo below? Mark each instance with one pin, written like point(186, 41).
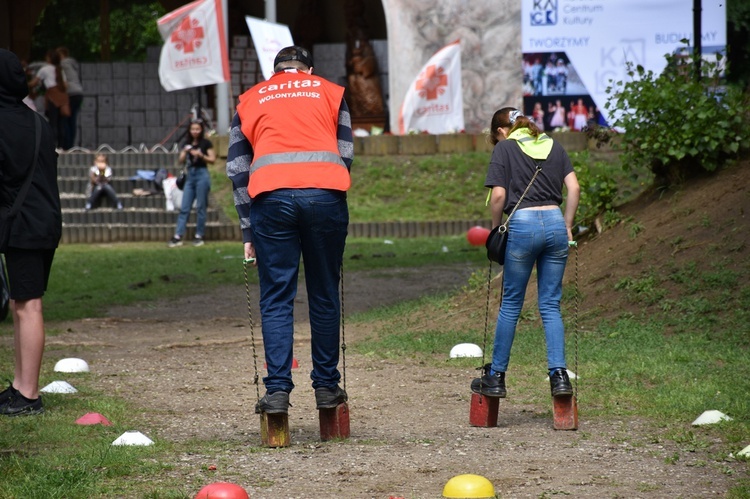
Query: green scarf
point(538, 148)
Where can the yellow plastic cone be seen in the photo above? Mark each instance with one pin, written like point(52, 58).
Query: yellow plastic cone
point(469, 487)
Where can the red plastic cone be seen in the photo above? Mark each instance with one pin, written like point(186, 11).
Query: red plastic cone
point(93, 418)
point(222, 490)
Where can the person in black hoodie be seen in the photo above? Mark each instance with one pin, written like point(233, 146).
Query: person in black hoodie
point(35, 231)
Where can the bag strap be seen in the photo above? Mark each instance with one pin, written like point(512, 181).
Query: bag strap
point(26, 183)
point(538, 170)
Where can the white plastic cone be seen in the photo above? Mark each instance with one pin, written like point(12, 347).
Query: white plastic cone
point(59, 387)
point(133, 437)
point(711, 417)
point(71, 365)
point(465, 350)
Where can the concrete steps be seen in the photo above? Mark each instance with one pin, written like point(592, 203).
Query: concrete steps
point(144, 218)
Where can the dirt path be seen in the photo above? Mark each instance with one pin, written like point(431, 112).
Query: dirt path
point(189, 365)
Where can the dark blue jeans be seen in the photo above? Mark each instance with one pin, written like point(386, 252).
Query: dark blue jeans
point(70, 124)
point(288, 223)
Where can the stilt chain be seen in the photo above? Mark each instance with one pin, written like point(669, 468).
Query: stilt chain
point(252, 332)
point(343, 331)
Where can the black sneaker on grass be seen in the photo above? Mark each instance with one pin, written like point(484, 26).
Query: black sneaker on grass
point(174, 242)
point(7, 394)
point(19, 405)
point(330, 397)
point(273, 403)
point(489, 385)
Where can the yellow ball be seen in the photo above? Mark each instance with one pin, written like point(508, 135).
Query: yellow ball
point(469, 487)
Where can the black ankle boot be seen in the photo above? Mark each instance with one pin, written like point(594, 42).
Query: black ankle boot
point(490, 385)
point(559, 382)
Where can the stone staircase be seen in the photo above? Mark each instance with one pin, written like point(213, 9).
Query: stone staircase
point(144, 218)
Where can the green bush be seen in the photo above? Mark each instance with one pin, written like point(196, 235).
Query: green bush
point(677, 124)
point(599, 187)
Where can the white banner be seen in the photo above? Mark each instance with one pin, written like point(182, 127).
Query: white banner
point(195, 47)
point(268, 39)
point(434, 101)
point(573, 50)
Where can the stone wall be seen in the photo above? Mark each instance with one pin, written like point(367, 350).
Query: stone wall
point(125, 104)
point(392, 145)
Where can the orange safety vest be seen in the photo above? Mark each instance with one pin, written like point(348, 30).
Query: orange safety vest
point(291, 122)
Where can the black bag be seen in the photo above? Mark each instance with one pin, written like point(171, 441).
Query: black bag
point(496, 244)
point(181, 179)
point(8, 215)
point(4, 293)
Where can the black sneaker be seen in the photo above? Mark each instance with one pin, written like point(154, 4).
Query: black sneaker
point(559, 382)
point(19, 405)
point(174, 242)
point(273, 403)
point(198, 241)
point(330, 397)
point(490, 385)
point(7, 394)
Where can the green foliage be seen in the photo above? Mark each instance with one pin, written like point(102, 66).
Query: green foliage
point(738, 41)
point(599, 188)
point(676, 124)
point(76, 25)
point(604, 186)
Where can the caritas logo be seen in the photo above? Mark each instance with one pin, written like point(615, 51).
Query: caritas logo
point(188, 36)
point(432, 83)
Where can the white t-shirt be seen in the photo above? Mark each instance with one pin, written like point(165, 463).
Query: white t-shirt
point(47, 75)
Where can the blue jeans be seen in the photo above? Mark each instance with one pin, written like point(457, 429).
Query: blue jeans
point(534, 237)
point(288, 223)
point(196, 189)
point(103, 190)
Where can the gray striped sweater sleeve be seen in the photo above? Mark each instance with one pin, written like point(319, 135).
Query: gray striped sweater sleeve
point(239, 158)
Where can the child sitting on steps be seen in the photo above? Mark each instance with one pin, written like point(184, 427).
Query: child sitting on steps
point(100, 175)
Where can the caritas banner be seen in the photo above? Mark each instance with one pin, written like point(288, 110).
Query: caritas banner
point(268, 39)
point(195, 48)
point(434, 102)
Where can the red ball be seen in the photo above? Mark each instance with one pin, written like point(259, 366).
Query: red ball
point(222, 490)
point(477, 236)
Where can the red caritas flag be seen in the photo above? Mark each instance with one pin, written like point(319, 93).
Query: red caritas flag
point(434, 101)
point(195, 47)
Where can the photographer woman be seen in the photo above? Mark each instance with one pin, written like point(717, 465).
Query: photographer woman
point(197, 153)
